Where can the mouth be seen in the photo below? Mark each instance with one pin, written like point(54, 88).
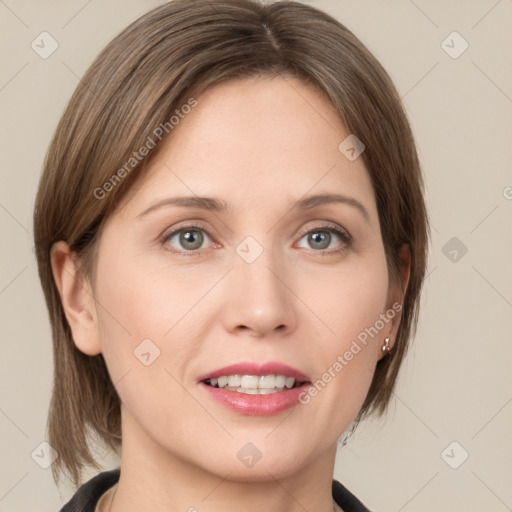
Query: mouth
point(254, 384)
point(255, 390)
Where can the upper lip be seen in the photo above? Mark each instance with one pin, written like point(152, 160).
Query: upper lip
point(249, 368)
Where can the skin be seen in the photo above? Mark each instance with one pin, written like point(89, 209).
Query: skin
point(259, 144)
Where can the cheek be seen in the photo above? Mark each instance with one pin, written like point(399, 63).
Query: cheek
point(140, 297)
point(349, 306)
point(147, 338)
point(348, 300)
point(145, 300)
point(134, 305)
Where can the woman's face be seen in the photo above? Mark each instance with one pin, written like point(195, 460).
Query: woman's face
point(182, 291)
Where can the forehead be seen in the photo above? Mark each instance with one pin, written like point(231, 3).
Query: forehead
point(252, 141)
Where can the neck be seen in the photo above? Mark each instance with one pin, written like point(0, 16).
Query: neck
point(154, 479)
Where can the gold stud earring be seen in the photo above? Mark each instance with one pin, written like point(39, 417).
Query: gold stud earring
point(386, 347)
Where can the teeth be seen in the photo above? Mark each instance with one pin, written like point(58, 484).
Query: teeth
point(253, 384)
point(280, 381)
point(249, 382)
point(267, 382)
point(248, 391)
point(254, 391)
point(234, 381)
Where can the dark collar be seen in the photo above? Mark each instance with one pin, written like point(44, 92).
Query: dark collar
point(87, 496)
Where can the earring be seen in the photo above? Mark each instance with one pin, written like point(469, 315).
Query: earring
point(386, 347)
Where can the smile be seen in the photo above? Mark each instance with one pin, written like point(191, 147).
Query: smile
point(253, 384)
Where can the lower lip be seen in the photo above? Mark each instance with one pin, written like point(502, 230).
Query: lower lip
point(256, 405)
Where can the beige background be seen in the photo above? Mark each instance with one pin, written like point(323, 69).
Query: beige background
point(456, 384)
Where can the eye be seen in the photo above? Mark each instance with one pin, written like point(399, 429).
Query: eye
point(190, 239)
point(321, 237)
point(186, 239)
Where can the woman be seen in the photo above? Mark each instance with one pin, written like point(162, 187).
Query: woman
point(231, 237)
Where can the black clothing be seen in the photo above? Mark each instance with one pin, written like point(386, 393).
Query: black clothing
point(87, 496)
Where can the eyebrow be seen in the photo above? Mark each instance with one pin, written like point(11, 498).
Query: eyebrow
point(220, 206)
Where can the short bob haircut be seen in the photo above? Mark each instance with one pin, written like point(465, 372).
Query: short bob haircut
point(146, 73)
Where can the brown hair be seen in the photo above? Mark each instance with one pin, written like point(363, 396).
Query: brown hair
point(136, 84)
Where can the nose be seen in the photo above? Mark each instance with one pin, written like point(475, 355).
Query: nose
point(258, 299)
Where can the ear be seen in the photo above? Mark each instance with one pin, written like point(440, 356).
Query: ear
point(76, 298)
point(396, 295)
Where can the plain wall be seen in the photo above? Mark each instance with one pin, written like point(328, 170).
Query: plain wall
point(456, 383)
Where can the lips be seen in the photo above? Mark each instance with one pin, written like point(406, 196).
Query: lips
point(265, 402)
point(249, 368)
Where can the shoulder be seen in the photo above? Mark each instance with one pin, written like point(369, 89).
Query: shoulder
point(88, 494)
point(345, 499)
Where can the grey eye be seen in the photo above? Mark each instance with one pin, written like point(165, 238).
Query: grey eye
point(189, 239)
point(321, 239)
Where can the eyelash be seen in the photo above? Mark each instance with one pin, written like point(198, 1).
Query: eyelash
point(331, 228)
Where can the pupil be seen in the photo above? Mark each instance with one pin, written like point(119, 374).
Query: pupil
point(320, 236)
point(188, 238)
